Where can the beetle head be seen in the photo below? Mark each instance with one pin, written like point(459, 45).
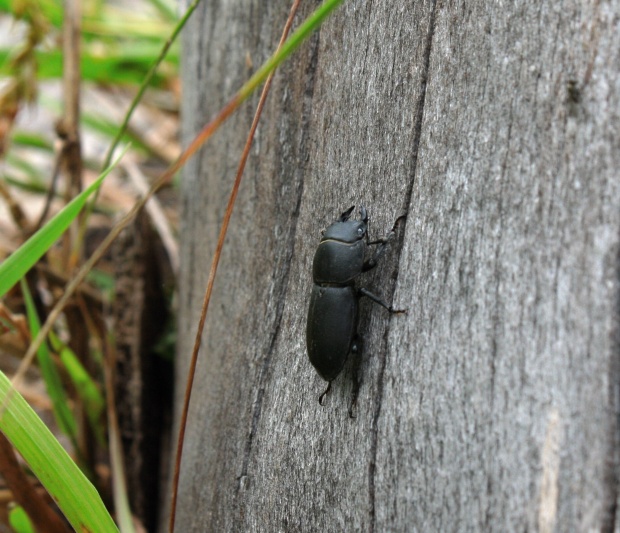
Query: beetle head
point(345, 230)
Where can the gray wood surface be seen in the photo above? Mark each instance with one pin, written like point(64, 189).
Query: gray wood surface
point(493, 404)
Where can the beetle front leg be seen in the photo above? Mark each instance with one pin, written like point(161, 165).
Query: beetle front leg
point(372, 262)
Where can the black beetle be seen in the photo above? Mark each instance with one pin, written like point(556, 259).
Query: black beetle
point(331, 332)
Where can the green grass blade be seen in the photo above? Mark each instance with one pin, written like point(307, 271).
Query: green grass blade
point(67, 485)
point(123, 67)
point(119, 485)
point(166, 9)
point(53, 383)
point(24, 258)
point(87, 389)
point(19, 520)
point(291, 44)
point(29, 139)
point(51, 10)
point(163, 53)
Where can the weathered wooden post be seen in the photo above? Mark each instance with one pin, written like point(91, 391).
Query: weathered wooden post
point(493, 404)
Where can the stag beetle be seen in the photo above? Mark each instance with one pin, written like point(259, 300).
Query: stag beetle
point(331, 332)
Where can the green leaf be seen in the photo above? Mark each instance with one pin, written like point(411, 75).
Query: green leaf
point(51, 10)
point(124, 66)
point(87, 389)
point(25, 257)
point(19, 521)
point(31, 139)
point(67, 485)
point(62, 413)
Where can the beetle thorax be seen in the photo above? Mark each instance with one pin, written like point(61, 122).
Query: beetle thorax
point(337, 262)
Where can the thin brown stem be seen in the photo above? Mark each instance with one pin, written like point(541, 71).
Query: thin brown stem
point(213, 271)
point(68, 127)
point(51, 191)
point(42, 515)
point(119, 476)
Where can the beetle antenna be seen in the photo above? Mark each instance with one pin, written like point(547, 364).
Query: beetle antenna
point(322, 396)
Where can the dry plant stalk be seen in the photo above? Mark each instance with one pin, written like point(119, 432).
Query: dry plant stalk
point(213, 271)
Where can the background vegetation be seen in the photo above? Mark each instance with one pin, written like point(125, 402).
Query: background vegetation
point(58, 120)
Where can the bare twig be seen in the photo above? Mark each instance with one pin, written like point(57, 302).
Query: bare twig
point(119, 478)
point(68, 128)
point(52, 188)
point(41, 514)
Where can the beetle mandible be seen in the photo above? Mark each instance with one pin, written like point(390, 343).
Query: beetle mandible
point(331, 332)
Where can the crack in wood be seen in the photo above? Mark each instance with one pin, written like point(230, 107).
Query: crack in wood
point(374, 432)
point(612, 472)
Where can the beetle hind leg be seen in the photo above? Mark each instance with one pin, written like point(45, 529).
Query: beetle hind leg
point(322, 396)
point(365, 292)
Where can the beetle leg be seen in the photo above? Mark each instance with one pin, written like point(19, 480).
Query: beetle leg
point(322, 396)
point(377, 300)
point(372, 262)
point(381, 249)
